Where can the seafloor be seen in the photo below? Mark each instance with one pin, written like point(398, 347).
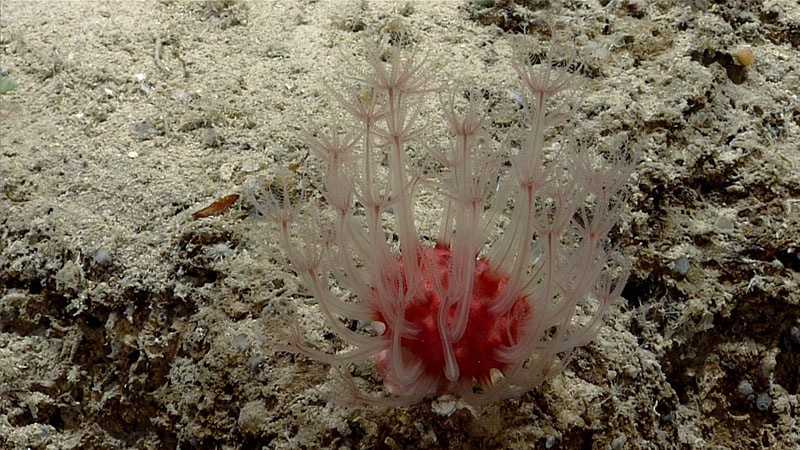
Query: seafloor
point(127, 323)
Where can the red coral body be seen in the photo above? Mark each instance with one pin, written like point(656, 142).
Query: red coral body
point(476, 350)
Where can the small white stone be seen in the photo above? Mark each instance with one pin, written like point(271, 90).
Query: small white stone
point(444, 405)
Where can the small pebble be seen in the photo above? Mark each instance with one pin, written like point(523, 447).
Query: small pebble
point(744, 388)
point(101, 257)
point(241, 342)
point(681, 266)
point(724, 223)
point(763, 401)
point(143, 129)
point(210, 137)
point(619, 442)
point(744, 56)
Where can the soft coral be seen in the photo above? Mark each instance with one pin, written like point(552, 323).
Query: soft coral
point(446, 317)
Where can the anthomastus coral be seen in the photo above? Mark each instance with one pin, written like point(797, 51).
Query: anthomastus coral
point(519, 272)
